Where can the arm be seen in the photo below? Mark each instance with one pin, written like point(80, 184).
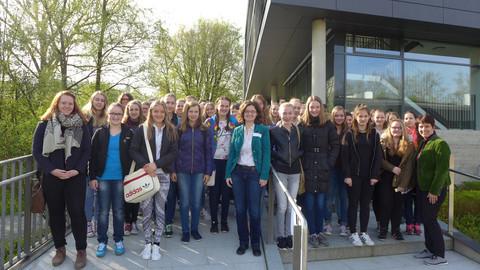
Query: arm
point(442, 163)
point(387, 166)
point(265, 171)
point(135, 148)
point(85, 149)
point(37, 149)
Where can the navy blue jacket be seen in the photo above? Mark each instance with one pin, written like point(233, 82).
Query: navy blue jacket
point(195, 154)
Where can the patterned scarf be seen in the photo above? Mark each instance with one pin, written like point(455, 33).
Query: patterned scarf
point(71, 136)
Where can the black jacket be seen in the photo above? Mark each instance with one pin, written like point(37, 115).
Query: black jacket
point(138, 150)
point(100, 142)
point(351, 155)
point(286, 151)
point(321, 147)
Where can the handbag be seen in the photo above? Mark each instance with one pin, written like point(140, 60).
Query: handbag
point(38, 199)
point(211, 180)
point(138, 185)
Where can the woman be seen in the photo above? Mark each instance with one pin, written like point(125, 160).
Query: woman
point(348, 119)
point(109, 164)
point(145, 107)
point(124, 99)
point(61, 147)
point(247, 172)
point(263, 106)
point(337, 194)
point(193, 168)
point(96, 113)
point(398, 167)
point(321, 147)
point(380, 124)
point(234, 108)
point(433, 178)
point(286, 153)
point(361, 162)
point(132, 118)
point(222, 125)
point(274, 114)
point(208, 110)
point(162, 137)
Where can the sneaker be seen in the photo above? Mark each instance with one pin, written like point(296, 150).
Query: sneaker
point(328, 229)
point(134, 227)
point(90, 229)
point(119, 248)
point(147, 252)
point(168, 231)
point(383, 234)
point(398, 236)
point(322, 240)
point(343, 230)
point(156, 253)
point(418, 229)
point(289, 242)
point(435, 260)
point(282, 243)
point(127, 229)
point(101, 250)
point(214, 228)
point(356, 240)
point(410, 229)
point(423, 254)
point(185, 237)
point(196, 235)
point(313, 241)
point(366, 239)
point(224, 228)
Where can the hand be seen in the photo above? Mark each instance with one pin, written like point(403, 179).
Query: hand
point(373, 181)
point(229, 182)
point(263, 182)
point(396, 170)
point(400, 189)
point(173, 176)
point(72, 173)
point(432, 198)
point(61, 174)
point(206, 177)
point(150, 168)
point(348, 181)
point(94, 184)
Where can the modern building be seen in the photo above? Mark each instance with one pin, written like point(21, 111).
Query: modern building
point(418, 55)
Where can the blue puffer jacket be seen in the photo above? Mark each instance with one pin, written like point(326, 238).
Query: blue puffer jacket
point(195, 153)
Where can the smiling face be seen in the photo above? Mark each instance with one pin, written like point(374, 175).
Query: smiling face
point(286, 114)
point(274, 109)
point(250, 114)
point(170, 102)
point(193, 113)
point(409, 120)
point(134, 111)
point(98, 102)
point(209, 110)
point(124, 101)
point(425, 130)
point(362, 119)
point(115, 114)
point(179, 107)
point(379, 118)
point(158, 114)
point(339, 117)
point(66, 105)
point(313, 108)
point(396, 129)
point(223, 107)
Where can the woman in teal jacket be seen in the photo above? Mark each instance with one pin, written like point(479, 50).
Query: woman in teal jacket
point(247, 171)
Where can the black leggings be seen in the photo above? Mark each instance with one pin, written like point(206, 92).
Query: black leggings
point(70, 193)
point(390, 204)
point(359, 194)
point(131, 212)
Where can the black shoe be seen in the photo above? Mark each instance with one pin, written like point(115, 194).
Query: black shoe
point(398, 236)
point(196, 235)
point(382, 235)
point(214, 228)
point(224, 228)
point(289, 241)
point(282, 242)
point(185, 237)
point(256, 251)
point(241, 250)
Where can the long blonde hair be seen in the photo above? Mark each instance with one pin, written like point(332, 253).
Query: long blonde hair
point(335, 110)
point(126, 115)
point(388, 142)
point(53, 108)
point(99, 117)
point(171, 131)
point(307, 118)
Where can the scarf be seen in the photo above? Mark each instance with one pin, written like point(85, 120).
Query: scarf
point(62, 132)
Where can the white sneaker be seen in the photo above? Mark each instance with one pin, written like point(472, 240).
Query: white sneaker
point(343, 230)
point(328, 229)
point(134, 228)
point(156, 253)
point(356, 240)
point(147, 252)
point(366, 239)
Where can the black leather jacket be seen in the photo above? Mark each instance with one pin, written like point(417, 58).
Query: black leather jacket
point(286, 151)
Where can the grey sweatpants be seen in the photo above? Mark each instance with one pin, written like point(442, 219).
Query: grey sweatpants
point(284, 210)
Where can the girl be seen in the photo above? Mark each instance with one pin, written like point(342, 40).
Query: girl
point(145, 107)
point(124, 99)
point(193, 167)
point(162, 138)
point(348, 119)
point(361, 161)
point(321, 147)
point(222, 125)
point(398, 166)
point(208, 110)
point(61, 147)
point(247, 171)
point(380, 124)
point(263, 106)
point(274, 115)
point(286, 153)
point(109, 164)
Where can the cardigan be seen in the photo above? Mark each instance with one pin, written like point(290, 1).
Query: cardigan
point(404, 180)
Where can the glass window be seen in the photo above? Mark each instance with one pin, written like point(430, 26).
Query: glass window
point(441, 52)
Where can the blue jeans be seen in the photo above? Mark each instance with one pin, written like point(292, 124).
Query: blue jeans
point(91, 203)
point(190, 187)
point(314, 211)
point(110, 193)
point(247, 191)
point(337, 195)
point(171, 203)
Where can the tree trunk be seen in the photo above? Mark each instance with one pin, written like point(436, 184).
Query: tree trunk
point(99, 63)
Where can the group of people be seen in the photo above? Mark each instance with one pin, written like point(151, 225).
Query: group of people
point(346, 160)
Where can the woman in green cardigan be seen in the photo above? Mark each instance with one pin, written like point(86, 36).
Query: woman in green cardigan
point(247, 171)
point(433, 159)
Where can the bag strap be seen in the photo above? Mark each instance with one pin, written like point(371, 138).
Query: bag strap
point(147, 143)
point(298, 135)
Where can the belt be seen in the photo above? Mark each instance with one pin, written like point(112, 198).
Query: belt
point(243, 167)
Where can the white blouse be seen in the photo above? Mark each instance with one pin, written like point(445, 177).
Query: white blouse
point(246, 154)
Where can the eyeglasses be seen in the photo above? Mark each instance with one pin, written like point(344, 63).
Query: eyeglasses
point(396, 128)
point(116, 114)
point(251, 112)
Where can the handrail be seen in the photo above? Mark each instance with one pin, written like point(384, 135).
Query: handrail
point(300, 230)
point(475, 177)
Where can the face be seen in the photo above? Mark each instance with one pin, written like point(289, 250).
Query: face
point(179, 107)
point(223, 106)
point(274, 109)
point(339, 117)
point(134, 111)
point(314, 108)
point(210, 110)
point(362, 118)
point(396, 129)
point(193, 113)
point(250, 114)
point(145, 108)
point(98, 102)
point(66, 105)
point(115, 116)
point(158, 114)
point(287, 114)
point(297, 106)
point(260, 104)
point(124, 100)
point(379, 118)
point(425, 130)
point(170, 102)
point(349, 120)
point(234, 111)
point(409, 120)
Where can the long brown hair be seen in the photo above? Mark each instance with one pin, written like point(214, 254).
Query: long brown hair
point(126, 115)
point(53, 108)
point(185, 121)
point(307, 118)
point(355, 128)
point(171, 131)
point(217, 118)
point(243, 107)
point(99, 117)
point(388, 142)
point(332, 115)
point(264, 114)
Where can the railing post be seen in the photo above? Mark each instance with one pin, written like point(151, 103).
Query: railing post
point(27, 232)
point(271, 205)
point(451, 197)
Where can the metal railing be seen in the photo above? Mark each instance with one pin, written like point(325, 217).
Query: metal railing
point(21, 232)
point(300, 228)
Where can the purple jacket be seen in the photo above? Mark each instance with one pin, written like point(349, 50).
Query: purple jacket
point(195, 154)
